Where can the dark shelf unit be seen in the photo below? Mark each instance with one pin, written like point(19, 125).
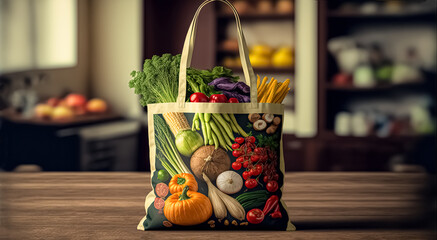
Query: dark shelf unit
point(258, 16)
point(272, 70)
point(368, 153)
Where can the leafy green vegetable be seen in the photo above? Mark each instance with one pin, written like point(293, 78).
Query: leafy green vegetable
point(198, 79)
point(271, 141)
point(168, 155)
point(158, 82)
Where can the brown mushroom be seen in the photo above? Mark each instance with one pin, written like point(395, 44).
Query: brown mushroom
point(272, 129)
point(268, 117)
point(276, 121)
point(253, 117)
point(259, 125)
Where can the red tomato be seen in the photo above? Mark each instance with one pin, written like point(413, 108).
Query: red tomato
point(266, 179)
point(248, 150)
point(236, 166)
point(246, 164)
point(255, 172)
point(235, 146)
point(240, 159)
point(259, 167)
point(255, 216)
point(239, 140)
point(218, 98)
point(254, 158)
point(246, 175)
point(198, 97)
point(251, 139)
point(236, 153)
point(258, 151)
point(251, 183)
point(272, 186)
point(233, 100)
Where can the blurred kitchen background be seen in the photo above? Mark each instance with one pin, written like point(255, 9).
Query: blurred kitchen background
point(363, 75)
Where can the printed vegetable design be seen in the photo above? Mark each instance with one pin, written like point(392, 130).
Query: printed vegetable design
point(187, 141)
point(179, 181)
point(257, 160)
point(260, 123)
point(253, 199)
point(272, 204)
point(272, 92)
point(210, 161)
point(163, 175)
point(255, 216)
point(218, 128)
point(229, 182)
point(222, 202)
point(166, 149)
point(161, 190)
point(187, 208)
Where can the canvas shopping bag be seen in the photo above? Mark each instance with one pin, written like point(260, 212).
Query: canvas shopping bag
point(194, 145)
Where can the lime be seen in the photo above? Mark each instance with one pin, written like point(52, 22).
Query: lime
point(163, 175)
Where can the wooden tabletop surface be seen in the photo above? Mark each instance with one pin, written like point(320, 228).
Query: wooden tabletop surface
point(110, 205)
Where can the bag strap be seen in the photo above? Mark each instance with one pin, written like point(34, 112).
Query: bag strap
point(187, 54)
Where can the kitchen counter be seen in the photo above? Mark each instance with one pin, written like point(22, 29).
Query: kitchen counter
point(64, 205)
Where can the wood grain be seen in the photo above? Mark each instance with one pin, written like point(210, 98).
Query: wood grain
point(110, 205)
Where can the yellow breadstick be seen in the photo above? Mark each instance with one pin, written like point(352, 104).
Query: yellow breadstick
point(278, 95)
point(267, 93)
point(257, 81)
point(262, 87)
point(272, 92)
point(282, 98)
point(284, 85)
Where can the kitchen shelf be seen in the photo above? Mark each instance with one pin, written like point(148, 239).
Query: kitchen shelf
point(258, 16)
point(381, 15)
point(267, 70)
point(330, 136)
point(333, 87)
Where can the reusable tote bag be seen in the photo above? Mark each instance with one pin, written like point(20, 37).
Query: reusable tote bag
point(193, 146)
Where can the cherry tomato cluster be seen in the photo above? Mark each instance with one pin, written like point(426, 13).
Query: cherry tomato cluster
point(256, 161)
point(253, 159)
point(215, 98)
point(270, 175)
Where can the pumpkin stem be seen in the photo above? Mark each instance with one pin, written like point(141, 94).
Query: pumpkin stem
point(184, 195)
point(181, 181)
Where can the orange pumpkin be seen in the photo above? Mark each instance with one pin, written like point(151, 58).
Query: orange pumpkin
point(187, 208)
point(179, 181)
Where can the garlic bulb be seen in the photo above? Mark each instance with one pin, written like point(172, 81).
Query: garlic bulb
point(229, 182)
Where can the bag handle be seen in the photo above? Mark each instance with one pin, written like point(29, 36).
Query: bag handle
point(187, 54)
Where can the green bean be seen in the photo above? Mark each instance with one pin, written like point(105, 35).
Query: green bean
point(207, 117)
point(194, 122)
point(224, 124)
point(214, 138)
point(226, 117)
point(218, 134)
point(242, 132)
point(205, 137)
point(222, 130)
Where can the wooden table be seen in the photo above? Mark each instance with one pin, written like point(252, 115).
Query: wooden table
point(110, 205)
